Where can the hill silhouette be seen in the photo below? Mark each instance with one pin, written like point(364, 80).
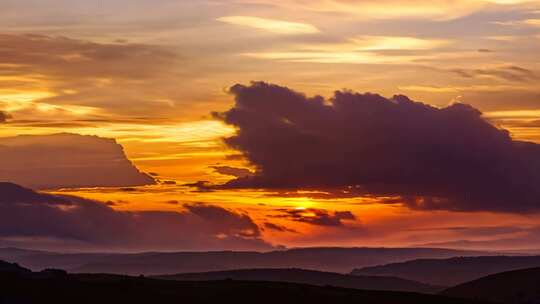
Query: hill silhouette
point(515, 287)
point(101, 288)
point(453, 271)
point(310, 277)
point(341, 260)
point(13, 268)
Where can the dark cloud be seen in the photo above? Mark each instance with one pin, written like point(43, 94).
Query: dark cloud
point(201, 186)
point(279, 228)
point(32, 217)
point(433, 158)
point(168, 182)
point(509, 73)
point(232, 171)
point(4, 116)
point(319, 217)
point(240, 222)
point(67, 160)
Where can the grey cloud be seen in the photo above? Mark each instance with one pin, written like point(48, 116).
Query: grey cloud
point(447, 158)
point(318, 217)
point(91, 225)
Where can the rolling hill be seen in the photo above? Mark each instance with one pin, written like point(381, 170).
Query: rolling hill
point(59, 287)
point(341, 260)
point(310, 277)
point(453, 271)
point(12, 268)
point(513, 287)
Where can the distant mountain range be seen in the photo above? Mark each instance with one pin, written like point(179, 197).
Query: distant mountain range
point(341, 260)
point(516, 287)
point(21, 286)
point(310, 277)
point(453, 271)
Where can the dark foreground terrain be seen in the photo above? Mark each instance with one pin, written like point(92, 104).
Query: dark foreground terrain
point(18, 286)
point(513, 287)
point(317, 278)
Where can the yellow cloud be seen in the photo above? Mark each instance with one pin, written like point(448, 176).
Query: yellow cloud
point(457, 89)
point(532, 22)
point(381, 43)
point(16, 99)
point(514, 114)
point(357, 50)
point(271, 25)
point(332, 57)
point(394, 9)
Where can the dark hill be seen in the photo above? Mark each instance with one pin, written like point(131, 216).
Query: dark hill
point(322, 259)
point(310, 277)
point(60, 289)
point(513, 287)
point(157, 263)
point(450, 272)
point(12, 268)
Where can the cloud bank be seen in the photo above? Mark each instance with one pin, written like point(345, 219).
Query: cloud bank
point(67, 160)
point(433, 158)
point(78, 224)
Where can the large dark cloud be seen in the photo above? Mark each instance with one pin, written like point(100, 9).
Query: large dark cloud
point(28, 218)
point(434, 158)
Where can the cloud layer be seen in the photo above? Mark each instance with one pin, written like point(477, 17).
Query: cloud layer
point(433, 158)
point(28, 218)
point(67, 160)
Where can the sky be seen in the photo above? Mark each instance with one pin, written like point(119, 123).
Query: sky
point(259, 110)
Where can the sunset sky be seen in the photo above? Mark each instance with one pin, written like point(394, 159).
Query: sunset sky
point(232, 105)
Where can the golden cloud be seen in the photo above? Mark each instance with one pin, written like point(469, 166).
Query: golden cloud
point(271, 25)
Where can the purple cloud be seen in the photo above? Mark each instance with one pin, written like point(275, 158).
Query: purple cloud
point(433, 158)
point(29, 218)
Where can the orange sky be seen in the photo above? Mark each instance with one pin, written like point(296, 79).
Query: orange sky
point(149, 74)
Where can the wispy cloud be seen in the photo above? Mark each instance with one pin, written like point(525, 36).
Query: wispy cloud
point(532, 22)
point(363, 49)
point(271, 25)
point(395, 9)
point(465, 88)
